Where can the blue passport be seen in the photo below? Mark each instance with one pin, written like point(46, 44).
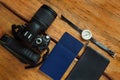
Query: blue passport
point(61, 56)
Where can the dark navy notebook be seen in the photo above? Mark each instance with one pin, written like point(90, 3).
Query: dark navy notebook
point(61, 56)
point(90, 66)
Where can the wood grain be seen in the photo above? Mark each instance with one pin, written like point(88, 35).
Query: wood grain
point(102, 17)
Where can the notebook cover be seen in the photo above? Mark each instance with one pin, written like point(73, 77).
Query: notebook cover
point(61, 56)
point(90, 66)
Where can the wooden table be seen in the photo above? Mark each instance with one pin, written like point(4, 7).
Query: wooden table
point(102, 17)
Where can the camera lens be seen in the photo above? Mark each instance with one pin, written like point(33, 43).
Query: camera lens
point(42, 19)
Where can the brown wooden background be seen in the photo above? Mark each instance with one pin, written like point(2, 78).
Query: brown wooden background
point(102, 17)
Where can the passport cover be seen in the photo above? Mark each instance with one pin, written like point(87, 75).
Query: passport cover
point(90, 66)
point(61, 56)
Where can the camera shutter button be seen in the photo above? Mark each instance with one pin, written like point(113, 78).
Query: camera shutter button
point(47, 37)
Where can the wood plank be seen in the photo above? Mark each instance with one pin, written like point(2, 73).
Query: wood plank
point(101, 17)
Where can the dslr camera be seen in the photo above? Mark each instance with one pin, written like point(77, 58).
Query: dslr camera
point(30, 39)
point(32, 34)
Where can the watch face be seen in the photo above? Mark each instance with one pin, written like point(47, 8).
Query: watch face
point(86, 34)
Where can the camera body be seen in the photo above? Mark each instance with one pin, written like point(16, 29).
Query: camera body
point(36, 42)
point(32, 33)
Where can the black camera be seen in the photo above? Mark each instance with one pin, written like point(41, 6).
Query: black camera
point(32, 34)
point(30, 39)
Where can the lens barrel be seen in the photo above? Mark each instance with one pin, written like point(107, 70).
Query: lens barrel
point(42, 19)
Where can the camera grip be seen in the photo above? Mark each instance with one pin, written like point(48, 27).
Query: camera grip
point(24, 54)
